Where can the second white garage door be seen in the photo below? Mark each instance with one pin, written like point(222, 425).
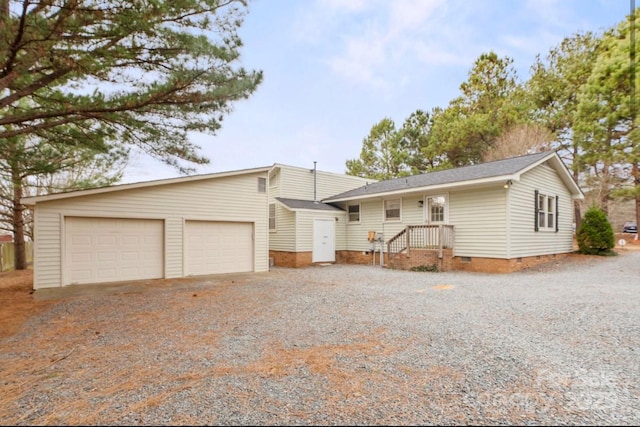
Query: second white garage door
point(218, 247)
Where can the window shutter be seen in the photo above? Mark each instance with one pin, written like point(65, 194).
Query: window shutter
point(535, 201)
point(557, 210)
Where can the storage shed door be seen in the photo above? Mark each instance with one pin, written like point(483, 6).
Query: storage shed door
point(101, 250)
point(218, 247)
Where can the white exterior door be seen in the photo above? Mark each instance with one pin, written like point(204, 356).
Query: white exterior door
point(213, 247)
point(101, 250)
point(324, 240)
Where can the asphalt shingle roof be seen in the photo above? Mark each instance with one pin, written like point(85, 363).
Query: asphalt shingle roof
point(307, 204)
point(460, 174)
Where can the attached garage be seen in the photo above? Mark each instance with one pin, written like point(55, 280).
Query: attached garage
point(188, 226)
point(113, 249)
point(214, 247)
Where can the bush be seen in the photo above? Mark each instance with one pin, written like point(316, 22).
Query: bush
point(432, 267)
point(595, 235)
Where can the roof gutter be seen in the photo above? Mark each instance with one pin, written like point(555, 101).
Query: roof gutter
point(450, 185)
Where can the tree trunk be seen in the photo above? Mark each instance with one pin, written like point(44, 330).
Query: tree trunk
point(20, 256)
point(636, 176)
point(576, 213)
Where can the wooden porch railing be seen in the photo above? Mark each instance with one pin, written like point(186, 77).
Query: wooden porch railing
point(437, 237)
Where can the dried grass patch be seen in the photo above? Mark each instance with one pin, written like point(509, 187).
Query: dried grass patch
point(16, 300)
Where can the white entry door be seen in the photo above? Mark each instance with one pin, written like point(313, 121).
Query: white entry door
point(324, 240)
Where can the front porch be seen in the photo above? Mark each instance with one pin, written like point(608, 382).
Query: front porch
point(422, 246)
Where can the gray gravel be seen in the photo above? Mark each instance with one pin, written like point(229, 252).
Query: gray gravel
point(339, 345)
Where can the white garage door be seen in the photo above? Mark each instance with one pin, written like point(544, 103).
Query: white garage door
point(218, 247)
point(113, 249)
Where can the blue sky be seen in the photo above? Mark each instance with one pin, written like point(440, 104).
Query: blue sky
point(334, 68)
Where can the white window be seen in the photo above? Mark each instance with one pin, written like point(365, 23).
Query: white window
point(273, 180)
point(262, 185)
point(437, 209)
point(272, 216)
point(354, 213)
point(546, 212)
point(392, 209)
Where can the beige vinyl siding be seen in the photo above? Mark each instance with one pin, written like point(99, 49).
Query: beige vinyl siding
point(174, 261)
point(273, 186)
point(304, 225)
point(525, 241)
point(283, 239)
point(234, 198)
point(298, 183)
point(284, 236)
point(295, 228)
point(342, 242)
point(372, 219)
point(479, 218)
point(47, 254)
point(412, 214)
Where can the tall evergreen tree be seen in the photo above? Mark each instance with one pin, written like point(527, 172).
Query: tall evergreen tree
point(604, 122)
point(79, 77)
point(383, 154)
point(30, 166)
point(553, 89)
point(491, 101)
point(142, 73)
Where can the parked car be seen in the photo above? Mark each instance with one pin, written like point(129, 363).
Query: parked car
point(630, 227)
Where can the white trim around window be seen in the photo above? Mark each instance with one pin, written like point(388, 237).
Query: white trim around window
point(436, 209)
point(353, 214)
point(546, 212)
point(392, 210)
point(272, 217)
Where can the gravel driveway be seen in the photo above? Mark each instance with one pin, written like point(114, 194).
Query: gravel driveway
point(338, 345)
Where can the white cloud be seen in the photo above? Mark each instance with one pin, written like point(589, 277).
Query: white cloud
point(344, 5)
point(362, 57)
point(411, 15)
point(372, 41)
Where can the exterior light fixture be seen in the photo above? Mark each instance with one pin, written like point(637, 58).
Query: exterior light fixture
point(508, 184)
point(420, 203)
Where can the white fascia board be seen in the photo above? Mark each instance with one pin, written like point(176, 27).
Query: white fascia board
point(563, 172)
point(30, 201)
point(429, 188)
point(336, 211)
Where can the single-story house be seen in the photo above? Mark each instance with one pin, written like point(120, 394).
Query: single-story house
point(498, 216)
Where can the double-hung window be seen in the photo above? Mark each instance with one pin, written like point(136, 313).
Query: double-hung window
point(546, 212)
point(392, 209)
point(272, 217)
point(353, 212)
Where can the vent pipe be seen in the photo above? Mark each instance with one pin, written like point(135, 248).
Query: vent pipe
point(314, 182)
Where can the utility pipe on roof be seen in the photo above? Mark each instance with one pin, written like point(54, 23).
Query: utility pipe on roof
point(314, 182)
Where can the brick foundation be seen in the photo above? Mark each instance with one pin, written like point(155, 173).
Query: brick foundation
point(423, 258)
point(291, 259)
point(359, 257)
point(496, 265)
point(419, 258)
